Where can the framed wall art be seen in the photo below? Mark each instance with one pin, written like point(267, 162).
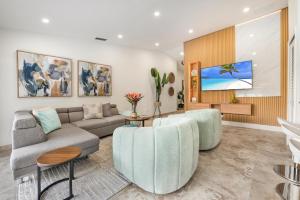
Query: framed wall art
point(94, 79)
point(42, 75)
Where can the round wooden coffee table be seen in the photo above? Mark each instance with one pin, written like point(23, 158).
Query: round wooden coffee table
point(137, 119)
point(57, 157)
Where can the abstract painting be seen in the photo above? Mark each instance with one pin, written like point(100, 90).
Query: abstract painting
point(94, 79)
point(42, 75)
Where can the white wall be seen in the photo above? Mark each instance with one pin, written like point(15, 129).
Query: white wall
point(130, 72)
point(297, 61)
point(294, 29)
point(261, 36)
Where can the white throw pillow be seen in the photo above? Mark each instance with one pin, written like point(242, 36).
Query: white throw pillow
point(92, 111)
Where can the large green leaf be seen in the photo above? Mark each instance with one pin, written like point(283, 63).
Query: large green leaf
point(164, 80)
point(154, 72)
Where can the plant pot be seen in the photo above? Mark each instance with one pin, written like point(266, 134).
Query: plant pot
point(157, 104)
point(134, 113)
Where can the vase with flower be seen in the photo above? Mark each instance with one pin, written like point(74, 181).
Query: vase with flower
point(134, 98)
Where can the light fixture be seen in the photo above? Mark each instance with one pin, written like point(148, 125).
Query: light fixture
point(255, 65)
point(182, 53)
point(120, 36)
point(156, 13)
point(251, 35)
point(246, 9)
point(254, 53)
point(45, 20)
point(191, 31)
point(156, 44)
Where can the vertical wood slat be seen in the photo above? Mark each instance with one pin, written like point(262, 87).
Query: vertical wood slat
point(219, 48)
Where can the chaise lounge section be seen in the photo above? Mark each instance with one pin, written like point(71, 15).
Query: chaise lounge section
point(29, 141)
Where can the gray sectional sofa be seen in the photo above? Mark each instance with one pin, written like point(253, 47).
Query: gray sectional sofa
point(29, 141)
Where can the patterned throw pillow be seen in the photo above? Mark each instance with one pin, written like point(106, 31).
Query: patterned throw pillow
point(92, 111)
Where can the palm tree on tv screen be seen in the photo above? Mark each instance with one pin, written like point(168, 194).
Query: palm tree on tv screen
point(230, 68)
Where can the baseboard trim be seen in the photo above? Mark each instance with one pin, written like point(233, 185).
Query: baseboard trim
point(254, 126)
point(5, 147)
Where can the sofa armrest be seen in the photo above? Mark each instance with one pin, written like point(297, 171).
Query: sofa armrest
point(23, 120)
point(26, 131)
point(134, 145)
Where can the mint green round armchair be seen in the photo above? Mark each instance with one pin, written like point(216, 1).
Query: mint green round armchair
point(159, 159)
point(209, 124)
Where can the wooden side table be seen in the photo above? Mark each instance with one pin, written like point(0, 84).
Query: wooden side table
point(54, 158)
point(137, 119)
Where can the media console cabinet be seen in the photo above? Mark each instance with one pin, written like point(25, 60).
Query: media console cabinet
point(225, 108)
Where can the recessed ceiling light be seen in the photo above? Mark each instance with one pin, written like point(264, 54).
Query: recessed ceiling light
point(156, 13)
point(181, 53)
point(156, 44)
point(45, 20)
point(254, 53)
point(120, 36)
point(251, 35)
point(246, 9)
point(191, 30)
point(255, 65)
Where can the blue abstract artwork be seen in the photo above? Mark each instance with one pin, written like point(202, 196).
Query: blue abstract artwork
point(41, 75)
point(94, 79)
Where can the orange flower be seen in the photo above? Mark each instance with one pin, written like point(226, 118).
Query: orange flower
point(134, 97)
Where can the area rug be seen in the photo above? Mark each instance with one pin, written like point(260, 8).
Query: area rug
point(92, 181)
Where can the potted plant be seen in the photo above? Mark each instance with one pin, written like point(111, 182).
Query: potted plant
point(233, 99)
point(159, 84)
point(134, 98)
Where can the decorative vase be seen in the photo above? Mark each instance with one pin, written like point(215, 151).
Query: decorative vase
point(134, 113)
point(157, 105)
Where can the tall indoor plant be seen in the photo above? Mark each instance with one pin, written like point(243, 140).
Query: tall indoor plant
point(159, 84)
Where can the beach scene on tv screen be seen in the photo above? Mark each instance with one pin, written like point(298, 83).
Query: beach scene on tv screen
point(227, 77)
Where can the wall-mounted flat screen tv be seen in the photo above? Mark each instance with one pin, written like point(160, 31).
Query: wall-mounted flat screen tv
point(235, 76)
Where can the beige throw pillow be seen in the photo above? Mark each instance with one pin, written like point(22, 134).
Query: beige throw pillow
point(92, 111)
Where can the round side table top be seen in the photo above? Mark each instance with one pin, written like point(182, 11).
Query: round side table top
point(138, 118)
point(58, 156)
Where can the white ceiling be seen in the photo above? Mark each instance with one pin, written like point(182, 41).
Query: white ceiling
point(132, 18)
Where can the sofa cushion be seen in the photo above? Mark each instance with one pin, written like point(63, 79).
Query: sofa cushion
point(63, 114)
point(23, 120)
point(114, 111)
point(106, 108)
point(97, 123)
point(92, 111)
point(75, 114)
point(27, 136)
point(69, 136)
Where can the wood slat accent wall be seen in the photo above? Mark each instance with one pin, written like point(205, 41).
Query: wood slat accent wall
point(219, 48)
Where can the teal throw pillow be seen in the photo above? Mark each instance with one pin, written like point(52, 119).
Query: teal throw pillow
point(49, 120)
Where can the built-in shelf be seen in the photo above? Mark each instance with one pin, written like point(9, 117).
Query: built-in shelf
point(194, 82)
